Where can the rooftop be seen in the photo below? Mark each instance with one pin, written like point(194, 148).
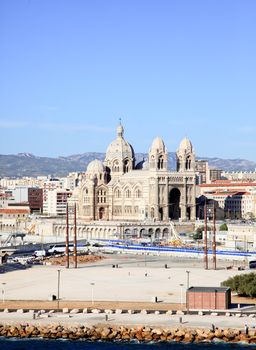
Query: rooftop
point(209, 289)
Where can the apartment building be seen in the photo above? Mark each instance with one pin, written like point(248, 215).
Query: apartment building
point(237, 199)
point(56, 202)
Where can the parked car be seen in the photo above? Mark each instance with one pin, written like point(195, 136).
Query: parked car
point(39, 253)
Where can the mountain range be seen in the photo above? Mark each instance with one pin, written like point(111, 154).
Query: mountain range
point(27, 164)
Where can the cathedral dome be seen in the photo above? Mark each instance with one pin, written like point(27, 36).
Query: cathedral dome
point(158, 145)
point(186, 145)
point(95, 166)
point(119, 147)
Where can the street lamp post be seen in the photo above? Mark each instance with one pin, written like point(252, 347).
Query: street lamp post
point(3, 285)
point(181, 294)
point(187, 304)
point(58, 291)
point(92, 284)
point(205, 237)
point(214, 239)
point(188, 272)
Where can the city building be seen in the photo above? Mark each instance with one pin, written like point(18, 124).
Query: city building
point(6, 197)
point(12, 216)
point(241, 236)
point(202, 169)
point(215, 174)
point(205, 173)
point(56, 202)
point(237, 199)
point(50, 185)
point(35, 199)
point(240, 176)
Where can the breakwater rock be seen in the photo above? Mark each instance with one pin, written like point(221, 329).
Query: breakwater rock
point(111, 333)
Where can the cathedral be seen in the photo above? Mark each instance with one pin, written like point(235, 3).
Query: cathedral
point(119, 190)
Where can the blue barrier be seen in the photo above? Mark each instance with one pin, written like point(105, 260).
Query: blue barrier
point(126, 245)
point(138, 247)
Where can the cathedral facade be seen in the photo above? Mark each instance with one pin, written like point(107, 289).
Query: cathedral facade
point(119, 190)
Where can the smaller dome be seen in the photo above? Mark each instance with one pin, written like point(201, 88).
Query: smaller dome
point(95, 166)
point(186, 144)
point(158, 145)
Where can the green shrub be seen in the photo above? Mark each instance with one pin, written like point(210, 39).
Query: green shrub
point(197, 235)
point(244, 285)
point(224, 227)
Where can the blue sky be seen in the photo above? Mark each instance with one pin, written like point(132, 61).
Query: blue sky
point(171, 68)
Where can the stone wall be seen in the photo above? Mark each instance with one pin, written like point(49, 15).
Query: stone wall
point(112, 333)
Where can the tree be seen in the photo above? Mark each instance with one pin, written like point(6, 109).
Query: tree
point(198, 235)
point(199, 229)
point(199, 232)
point(244, 285)
point(223, 227)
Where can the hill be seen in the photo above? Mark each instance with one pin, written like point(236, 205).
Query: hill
point(27, 164)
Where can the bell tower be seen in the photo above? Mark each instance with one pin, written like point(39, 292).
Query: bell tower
point(185, 156)
point(158, 155)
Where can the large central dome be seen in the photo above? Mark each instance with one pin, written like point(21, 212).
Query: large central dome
point(119, 148)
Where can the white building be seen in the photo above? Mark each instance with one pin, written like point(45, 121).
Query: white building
point(20, 194)
point(239, 175)
point(241, 236)
point(48, 186)
point(56, 202)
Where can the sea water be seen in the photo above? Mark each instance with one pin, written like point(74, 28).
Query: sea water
point(42, 344)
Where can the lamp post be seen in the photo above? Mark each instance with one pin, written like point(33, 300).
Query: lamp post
point(205, 237)
point(181, 294)
point(187, 304)
point(188, 272)
point(3, 285)
point(58, 291)
point(92, 295)
point(214, 239)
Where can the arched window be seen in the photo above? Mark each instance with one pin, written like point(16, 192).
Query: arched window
point(86, 195)
point(128, 193)
point(126, 166)
point(188, 163)
point(116, 166)
point(138, 193)
point(117, 193)
point(178, 164)
point(160, 163)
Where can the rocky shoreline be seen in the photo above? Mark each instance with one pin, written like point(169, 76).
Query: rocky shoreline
point(126, 333)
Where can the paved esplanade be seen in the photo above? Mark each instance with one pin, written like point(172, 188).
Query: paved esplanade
point(162, 320)
point(137, 278)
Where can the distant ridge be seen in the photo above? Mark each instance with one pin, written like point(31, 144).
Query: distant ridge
point(27, 164)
